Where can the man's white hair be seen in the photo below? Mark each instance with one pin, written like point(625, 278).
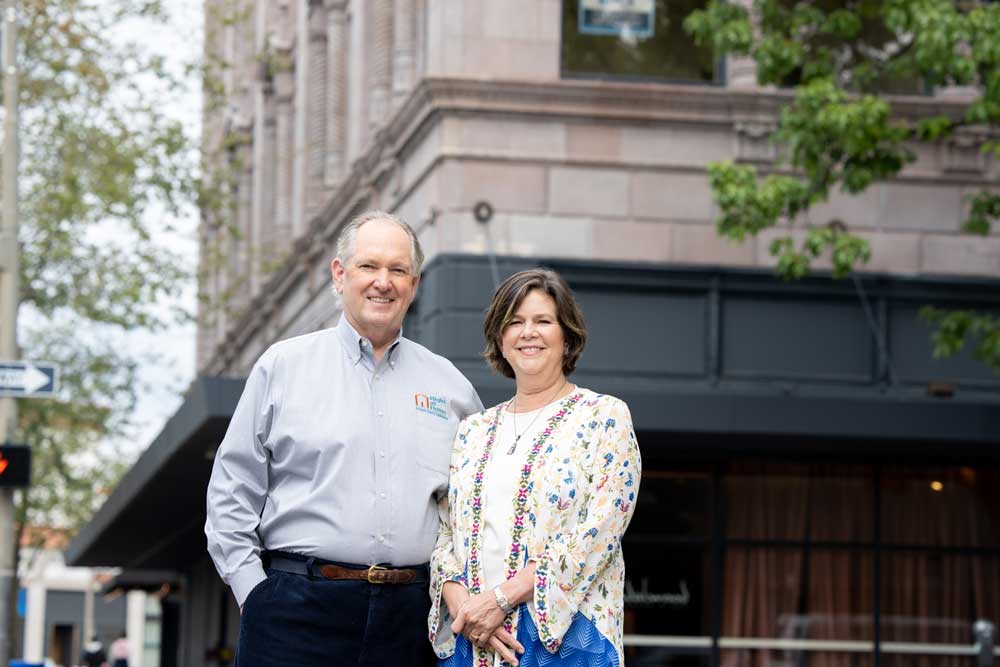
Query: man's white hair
point(346, 242)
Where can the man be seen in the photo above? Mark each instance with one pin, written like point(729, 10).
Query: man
point(322, 508)
point(93, 653)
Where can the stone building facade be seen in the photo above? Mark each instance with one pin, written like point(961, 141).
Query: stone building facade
point(425, 107)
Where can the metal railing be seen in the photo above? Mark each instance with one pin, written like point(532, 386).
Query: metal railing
point(983, 648)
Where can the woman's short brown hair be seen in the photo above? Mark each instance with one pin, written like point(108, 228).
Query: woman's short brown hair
point(507, 299)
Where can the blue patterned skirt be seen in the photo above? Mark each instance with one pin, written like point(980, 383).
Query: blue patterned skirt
point(583, 646)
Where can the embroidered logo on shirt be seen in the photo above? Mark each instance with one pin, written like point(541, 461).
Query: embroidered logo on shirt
point(432, 405)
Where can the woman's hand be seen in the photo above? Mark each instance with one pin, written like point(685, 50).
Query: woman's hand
point(479, 618)
point(454, 595)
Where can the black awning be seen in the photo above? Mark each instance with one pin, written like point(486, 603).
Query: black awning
point(150, 581)
point(769, 418)
point(154, 518)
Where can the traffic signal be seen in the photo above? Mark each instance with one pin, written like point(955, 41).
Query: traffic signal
point(15, 465)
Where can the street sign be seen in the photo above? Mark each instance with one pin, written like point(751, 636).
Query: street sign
point(28, 379)
point(15, 465)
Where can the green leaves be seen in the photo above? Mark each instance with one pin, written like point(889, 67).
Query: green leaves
point(984, 211)
point(845, 251)
point(842, 59)
point(833, 138)
point(722, 25)
point(748, 205)
point(957, 327)
point(104, 174)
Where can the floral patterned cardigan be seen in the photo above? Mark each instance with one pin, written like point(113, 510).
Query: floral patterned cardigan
point(575, 498)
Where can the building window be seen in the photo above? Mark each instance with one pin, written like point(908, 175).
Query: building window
point(633, 39)
point(755, 564)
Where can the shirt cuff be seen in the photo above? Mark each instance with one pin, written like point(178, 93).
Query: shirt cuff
point(245, 580)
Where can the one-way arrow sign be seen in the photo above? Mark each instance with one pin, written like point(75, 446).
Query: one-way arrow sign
point(28, 379)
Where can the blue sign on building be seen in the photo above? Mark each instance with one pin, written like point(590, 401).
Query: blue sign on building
point(633, 18)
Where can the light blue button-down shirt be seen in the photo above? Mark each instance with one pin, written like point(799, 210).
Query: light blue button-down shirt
point(332, 455)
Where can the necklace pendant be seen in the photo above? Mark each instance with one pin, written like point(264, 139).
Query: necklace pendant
point(510, 451)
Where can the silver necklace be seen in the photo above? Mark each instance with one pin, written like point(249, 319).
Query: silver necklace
point(513, 415)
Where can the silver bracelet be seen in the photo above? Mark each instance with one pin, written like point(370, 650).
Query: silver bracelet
point(502, 600)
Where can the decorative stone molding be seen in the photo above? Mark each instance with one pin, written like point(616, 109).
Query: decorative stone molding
point(962, 152)
point(753, 141)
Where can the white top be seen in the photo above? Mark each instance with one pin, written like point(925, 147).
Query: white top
point(503, 473)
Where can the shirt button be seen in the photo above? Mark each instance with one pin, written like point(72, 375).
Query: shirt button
point(381, 538)
point(382, 453)
point(381, 414)
point(382, 495)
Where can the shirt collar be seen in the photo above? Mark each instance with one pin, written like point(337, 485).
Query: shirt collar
point(357, 346)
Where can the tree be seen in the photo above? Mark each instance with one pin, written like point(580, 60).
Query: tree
point(104, 172)
point(839, 57)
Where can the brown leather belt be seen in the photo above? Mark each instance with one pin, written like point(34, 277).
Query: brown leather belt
point(373, 574)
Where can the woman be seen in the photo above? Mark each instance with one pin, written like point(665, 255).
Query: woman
point(528, 558)
point(119, 652)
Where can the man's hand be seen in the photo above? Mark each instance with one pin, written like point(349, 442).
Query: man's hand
point(479, 618)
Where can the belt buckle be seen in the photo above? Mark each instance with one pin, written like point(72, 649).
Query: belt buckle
point(377, 578)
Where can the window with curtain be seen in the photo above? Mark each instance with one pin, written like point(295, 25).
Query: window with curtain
point(941, 557)
point(796, 564)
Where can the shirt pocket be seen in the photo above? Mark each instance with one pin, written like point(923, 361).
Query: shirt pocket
point(433, 442)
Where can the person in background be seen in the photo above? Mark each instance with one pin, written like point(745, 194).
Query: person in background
point(93, 653)
point(322, 505)
point(528, 564)
point(119, 652)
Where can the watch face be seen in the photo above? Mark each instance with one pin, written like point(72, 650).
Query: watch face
point(502, 600)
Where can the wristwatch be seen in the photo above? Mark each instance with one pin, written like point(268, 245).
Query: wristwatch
point(502, 600)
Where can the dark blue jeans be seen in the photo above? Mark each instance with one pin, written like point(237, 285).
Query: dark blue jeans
point(292, 620)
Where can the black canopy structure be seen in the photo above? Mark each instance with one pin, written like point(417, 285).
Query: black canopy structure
point(154, 519)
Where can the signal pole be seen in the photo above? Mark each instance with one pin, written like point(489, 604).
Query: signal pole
point(9, 298)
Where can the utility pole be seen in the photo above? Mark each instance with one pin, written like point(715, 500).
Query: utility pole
point(9, 299)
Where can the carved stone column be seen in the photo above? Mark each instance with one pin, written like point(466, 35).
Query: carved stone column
point(379, 62)
point(240, 269)
point(404, 50)
point(284, 89)
point(419, 40)
point(316, 100)
point(337, 49)
point(264, 158)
